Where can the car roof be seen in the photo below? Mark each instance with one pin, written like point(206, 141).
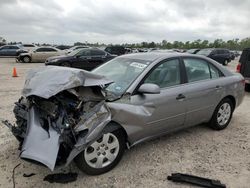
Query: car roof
point(153, 56)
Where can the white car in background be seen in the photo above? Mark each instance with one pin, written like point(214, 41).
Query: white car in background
point(39, 54)
point(75, 48)
point(29, 47)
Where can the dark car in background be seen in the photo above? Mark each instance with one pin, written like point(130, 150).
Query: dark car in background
point(63, 47)
point(11, 50)
point(244, 67)
point(232, 55)
point(117, 50)
point(221, 55)
point(87, 58)
point(193, 51)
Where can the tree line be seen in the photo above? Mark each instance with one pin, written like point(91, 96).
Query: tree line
point(233, 44)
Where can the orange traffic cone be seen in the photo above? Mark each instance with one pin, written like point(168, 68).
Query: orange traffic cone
point(14, 73)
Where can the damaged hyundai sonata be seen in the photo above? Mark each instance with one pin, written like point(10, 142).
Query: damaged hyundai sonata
point(68, 114)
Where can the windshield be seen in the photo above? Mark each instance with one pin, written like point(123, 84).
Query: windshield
point(191, 51)
point(204, 52)
point(123, 71)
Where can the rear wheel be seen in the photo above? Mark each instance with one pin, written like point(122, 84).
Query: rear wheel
point(103, 154)
point(222, 115)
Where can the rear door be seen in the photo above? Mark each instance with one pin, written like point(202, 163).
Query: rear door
point(12, 51)
point(3, 50)
point(203, 90)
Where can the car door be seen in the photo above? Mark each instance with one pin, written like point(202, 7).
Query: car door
point(97, 58)
point(38, 54)
point(203, 90)
point(12, 51)
point(49, 52)
point(2, 50)
point(168, 107)
point(81, 59)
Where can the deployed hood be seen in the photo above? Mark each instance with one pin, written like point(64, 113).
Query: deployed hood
point(47, 81)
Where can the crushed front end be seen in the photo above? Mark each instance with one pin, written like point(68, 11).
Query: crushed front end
point(58, 117)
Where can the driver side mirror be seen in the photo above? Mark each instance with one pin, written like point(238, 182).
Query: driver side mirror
point(149, 89)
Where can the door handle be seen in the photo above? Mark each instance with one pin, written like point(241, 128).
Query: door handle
point(180, 97)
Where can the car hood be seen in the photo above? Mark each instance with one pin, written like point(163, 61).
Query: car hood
point(47, 81)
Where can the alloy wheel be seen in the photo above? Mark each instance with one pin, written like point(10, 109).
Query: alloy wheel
point(102, 152)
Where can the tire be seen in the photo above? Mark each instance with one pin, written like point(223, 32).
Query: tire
point(87, 160)
point(222, 115)
point(26, 59)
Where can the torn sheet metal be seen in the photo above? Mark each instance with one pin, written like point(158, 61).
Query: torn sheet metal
point(95, 123)
point(50, 80)
point(40, 145)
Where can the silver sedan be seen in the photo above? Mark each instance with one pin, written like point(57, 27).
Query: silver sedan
point(69, 114)
point(158, 94)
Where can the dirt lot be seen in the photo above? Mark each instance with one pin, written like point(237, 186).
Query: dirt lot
point(223, 155)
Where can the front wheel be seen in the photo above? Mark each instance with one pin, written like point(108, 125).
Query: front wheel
point(222, 115)
point(26, 59)
point(103, 154)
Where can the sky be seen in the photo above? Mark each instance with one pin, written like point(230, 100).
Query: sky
point(122, 21)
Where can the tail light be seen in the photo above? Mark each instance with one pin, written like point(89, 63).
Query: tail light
point(238, 68)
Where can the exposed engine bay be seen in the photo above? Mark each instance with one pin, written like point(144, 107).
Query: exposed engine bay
point(56, 120)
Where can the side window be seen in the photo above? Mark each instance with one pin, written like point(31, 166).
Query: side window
point(84, 53)
point(41, 50)
point(197, 69)
point(50, 50)
point(13, 47)
point(5, 47)
point(166, 74)
point(215, 73)
point(97, 53)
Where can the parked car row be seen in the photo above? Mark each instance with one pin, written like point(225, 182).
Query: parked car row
point(39, 54)
point(86, 58)
point(12, 50)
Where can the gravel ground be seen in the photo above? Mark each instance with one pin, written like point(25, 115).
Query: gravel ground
point(223, 155)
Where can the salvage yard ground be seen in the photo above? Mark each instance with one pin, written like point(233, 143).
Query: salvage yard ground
point(223, 155)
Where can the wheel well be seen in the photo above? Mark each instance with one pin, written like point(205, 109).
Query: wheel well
point(26, 56)
point(232, 99)
point(115, 126)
